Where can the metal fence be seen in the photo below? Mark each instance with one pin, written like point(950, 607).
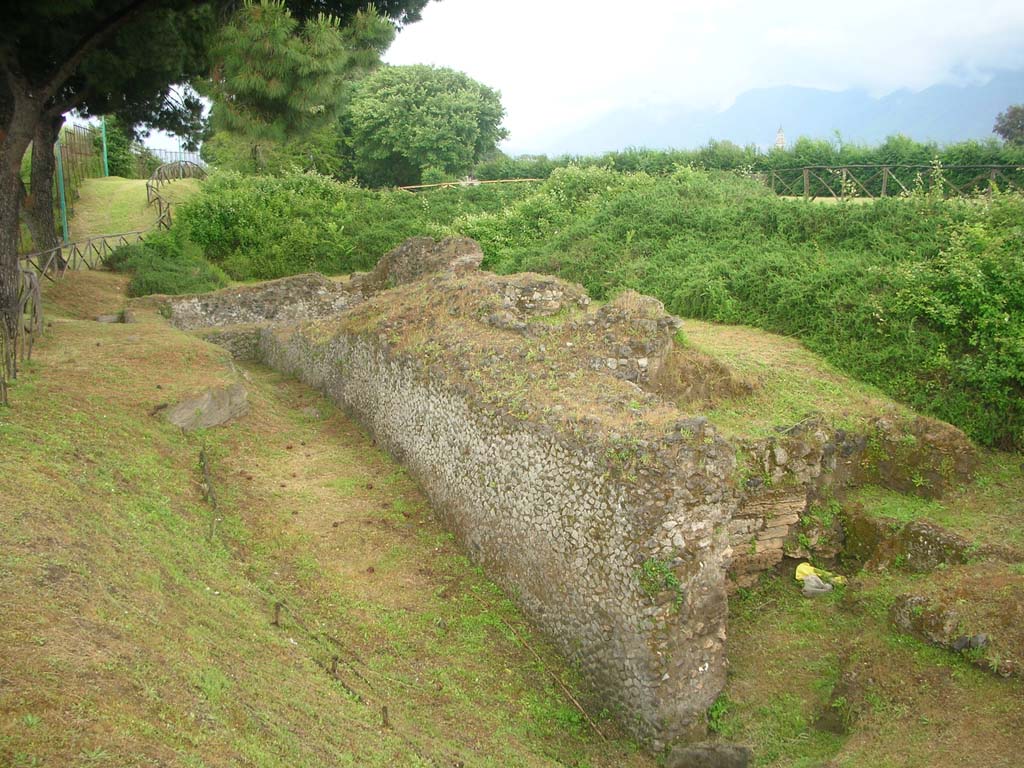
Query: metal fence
point(166, 156)
point(82, 155)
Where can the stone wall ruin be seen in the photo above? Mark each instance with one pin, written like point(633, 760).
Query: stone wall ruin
point(549, 436)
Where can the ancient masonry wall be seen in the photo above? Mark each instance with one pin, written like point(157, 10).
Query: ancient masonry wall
point(624, 561)
point(290, 299)
point(811, 462)
point(587, 553)
point(785, 476)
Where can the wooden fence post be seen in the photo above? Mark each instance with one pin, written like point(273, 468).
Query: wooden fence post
point(807, 183)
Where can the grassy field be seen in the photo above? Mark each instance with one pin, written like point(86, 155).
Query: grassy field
point(826, 682)
point(112, 204)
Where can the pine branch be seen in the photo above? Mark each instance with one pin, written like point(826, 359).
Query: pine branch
point(88, 43)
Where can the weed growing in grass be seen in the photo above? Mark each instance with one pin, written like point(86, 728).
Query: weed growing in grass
point(717, 713)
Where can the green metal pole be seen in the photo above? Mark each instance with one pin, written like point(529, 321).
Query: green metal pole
point(60, 188)
point(103, 133)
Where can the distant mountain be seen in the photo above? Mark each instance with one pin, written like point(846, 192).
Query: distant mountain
point(942, 113)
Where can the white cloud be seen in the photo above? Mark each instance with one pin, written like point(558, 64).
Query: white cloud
point(561, 63)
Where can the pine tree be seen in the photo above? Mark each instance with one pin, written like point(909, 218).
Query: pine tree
point(275, 79)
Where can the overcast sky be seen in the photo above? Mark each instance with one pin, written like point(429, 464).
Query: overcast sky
point(561, 63)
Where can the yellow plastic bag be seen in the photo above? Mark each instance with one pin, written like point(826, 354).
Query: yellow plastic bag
point(806, 569)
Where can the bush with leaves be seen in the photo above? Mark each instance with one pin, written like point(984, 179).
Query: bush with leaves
point(261, 227)
point(165, 263)
point(922, 297)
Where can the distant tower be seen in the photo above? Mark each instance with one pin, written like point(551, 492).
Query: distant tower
point(780, 139)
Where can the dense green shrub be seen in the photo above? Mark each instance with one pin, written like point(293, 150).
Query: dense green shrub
point(120, 258)
point(260, 227)
point(164, 263)
point(120, 159)
point(920, 296)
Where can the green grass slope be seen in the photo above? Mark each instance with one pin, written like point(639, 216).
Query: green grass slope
point(113, 204)
point(138, 629)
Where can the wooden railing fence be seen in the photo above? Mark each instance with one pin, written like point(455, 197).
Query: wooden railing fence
point(91, 253)
point(166, 173)
point(871, 181)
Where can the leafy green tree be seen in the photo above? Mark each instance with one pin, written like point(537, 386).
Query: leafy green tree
point(1010, 124)
point(118, 57)
point(275, 78)
point(404, 122)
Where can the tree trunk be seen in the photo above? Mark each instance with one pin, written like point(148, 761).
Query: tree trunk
point(23, 115)
point(10, 198)
point(38, 204)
